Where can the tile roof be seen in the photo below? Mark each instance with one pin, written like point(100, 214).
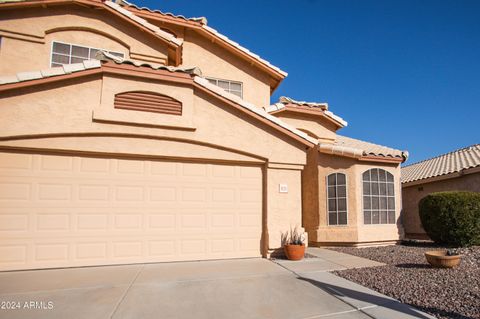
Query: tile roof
point(234, 98)
point(244, 50)
point(46, 73)
point(159, 32)
point(169, 37)
point(456, 161)
point(90, 64)
point(105, 56)
point(195, 72)
point(201, 20)
point(289, 100)
point(355, 148)
point(215, 33)
point(144, 23)
point(321, 107)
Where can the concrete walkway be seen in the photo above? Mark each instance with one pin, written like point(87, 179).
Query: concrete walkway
point(326, 260)
point(364, 301)
point(245, 288)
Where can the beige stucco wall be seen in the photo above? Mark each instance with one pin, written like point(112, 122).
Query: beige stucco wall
point(219, 63)
point(28, 31)
point(284, 209)
point(355, 232)
point(316, 126)
point(71, 107)
point(413, 194)
point(77, 116)
point(33, 30)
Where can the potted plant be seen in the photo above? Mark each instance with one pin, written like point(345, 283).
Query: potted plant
point(443, 258)
point(294, 244)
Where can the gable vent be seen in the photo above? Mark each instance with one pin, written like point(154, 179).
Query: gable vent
point(148, 102)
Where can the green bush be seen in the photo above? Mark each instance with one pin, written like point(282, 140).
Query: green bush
point(452, 218)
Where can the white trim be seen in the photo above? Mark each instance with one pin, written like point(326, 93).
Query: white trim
point(229, 84)
point(70, 53)
point(336, 198)
point(378, 195)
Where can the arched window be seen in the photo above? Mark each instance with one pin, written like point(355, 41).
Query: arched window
point(378, 197)
point(337, 199)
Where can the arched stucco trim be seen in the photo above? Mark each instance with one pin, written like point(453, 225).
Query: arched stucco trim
point(254, 157)
point(87, 29)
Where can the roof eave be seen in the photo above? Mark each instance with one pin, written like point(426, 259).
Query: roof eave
point(111, 67)
point(381, 159)
point(356, 153)
point(314, 113)
point(436, 178)
point(276, 74)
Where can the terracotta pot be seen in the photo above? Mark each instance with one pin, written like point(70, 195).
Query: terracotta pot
point(439, 258)
point(294, 252)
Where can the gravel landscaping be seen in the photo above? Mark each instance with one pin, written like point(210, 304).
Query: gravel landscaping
point(444, 293)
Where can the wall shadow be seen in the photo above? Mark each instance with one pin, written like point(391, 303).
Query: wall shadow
point(372, 299)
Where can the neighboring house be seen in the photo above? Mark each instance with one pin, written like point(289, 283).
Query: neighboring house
point(130, 135)
point(455, 171)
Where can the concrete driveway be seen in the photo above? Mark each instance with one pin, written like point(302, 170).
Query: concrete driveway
point(245, 288)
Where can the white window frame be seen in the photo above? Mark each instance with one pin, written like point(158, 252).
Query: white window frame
point(229, 85)
point(336, 199)
point(70, 53)
point(386, 196)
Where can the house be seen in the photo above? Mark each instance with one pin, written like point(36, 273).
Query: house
point(455, 171)
point(130, 135)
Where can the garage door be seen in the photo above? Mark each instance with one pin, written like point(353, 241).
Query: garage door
point(61, 211)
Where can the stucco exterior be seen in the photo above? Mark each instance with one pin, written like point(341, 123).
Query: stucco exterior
point(316, 126)
point(413, 192)
point(71, 24)
point(224, 161)
point(355, 232)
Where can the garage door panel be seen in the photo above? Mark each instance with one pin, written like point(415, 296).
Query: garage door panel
point(60, 211)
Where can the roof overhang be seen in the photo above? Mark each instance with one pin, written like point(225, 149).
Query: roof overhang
point(443, 177)
point(356, 153)
point(276, 74)
point(315, 113)
point(169, 74)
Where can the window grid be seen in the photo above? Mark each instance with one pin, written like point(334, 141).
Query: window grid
point(378, 197)
point(337, 199)
point(229, 86)
point(57, 56)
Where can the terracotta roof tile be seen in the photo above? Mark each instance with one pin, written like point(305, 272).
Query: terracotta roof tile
point(105, 56)
point(289, 100)
point(202, 20)
point(456, 161)
point(321, 107)
point(55, 71)
point(369, 149)
point(203, 24)
point(193, 71)
point(144, 23)
point(159, 32)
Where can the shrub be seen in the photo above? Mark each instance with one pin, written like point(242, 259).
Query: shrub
point(452, 218)
point(296, 236)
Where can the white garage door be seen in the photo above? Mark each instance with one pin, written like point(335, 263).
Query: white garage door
point(61, 211)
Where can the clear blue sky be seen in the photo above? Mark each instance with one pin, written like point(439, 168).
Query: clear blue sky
point(405, 74)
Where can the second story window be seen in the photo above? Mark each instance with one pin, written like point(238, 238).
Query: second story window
point(64, 53)
point(229, 86)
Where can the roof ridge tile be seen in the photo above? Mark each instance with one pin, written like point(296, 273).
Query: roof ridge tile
point(451, 162)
